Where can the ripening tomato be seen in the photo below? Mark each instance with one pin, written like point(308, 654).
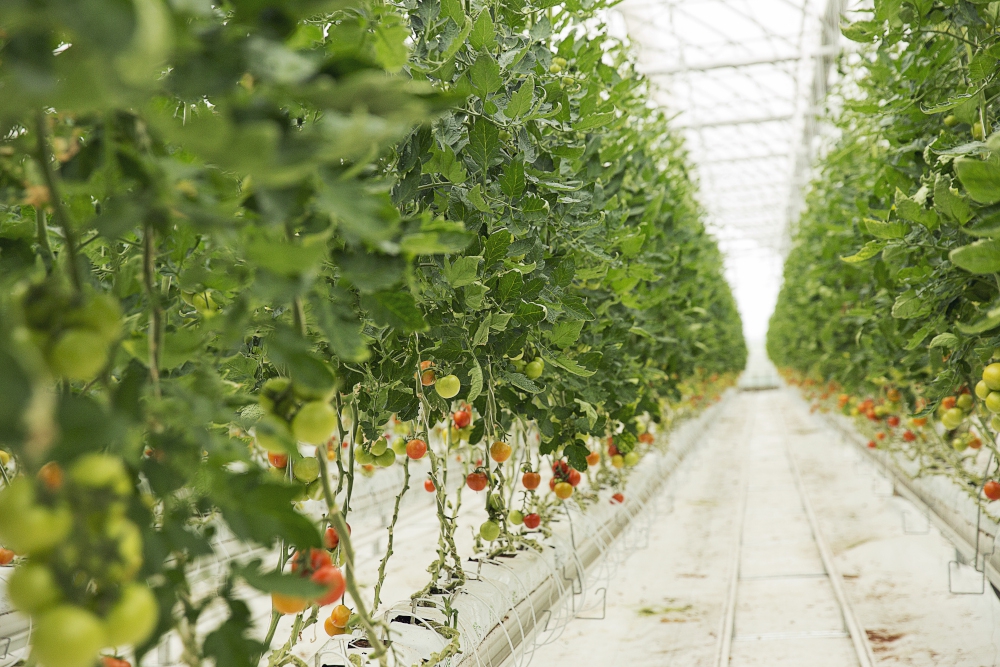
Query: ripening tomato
point(893, 421)
point(416, 448)
point(574, 477)
point(909, 436)
point(317, 559)
point(612, 449)
point(500, 451)
point(531, 480)
point(919, 421)
point(992, 490)
point(332, 629)
point(552, 483)
point(340, 615)
point(428, 378)
point(617, 461)
point(975, 442)
point(331, 577)
point(277, 460)
point(6, 556)
point(110, 661)
point(51, 475)
point(477, 481)
point(531, 521)
point(880, 435)
point(288, 604)
point(331, 538)
point(593, 458)
point(871, 444)
point(893, 395)
point(618, 498)
point(563, 490)
point(948, 402)
point(462, 418)
point(429, 486)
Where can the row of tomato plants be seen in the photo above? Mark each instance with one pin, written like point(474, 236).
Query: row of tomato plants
point(229, 231)
point(891, 290)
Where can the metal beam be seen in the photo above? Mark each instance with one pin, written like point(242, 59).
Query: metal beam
point(736, 64)
point(736, 121)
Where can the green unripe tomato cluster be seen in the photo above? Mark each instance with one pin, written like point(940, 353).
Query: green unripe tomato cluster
point(990, 386)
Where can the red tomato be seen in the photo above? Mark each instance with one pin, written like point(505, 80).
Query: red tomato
point(461, 418)
point(871, 444)
point(477, 481)
point(574, 477)
point(6, 556)
point(277, 460)
point(331, 577)
point(617, 499)
point(948, 402)
point(560, 469)
point(992, 490)
point(109, 661)
point(612, 450)
point(975, 443)
point(429, 486)
point(331, 537)
point(317, 560)
point(531, 480)
point(880, 435)
point(552, 483)
point(909, 436)
point(893, 421)
point(531, 521)
point(416, 448)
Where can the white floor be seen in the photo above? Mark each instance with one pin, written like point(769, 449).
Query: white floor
point(667, 605)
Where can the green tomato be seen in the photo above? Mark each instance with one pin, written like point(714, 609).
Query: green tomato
point(953, 417)
point(28, 528)
point(520, 365)
point(516, 517)
point(102, 314)
point(272, 434)
point(33, 588)
point(67, 636)
point(448, 386)
point(98, 471)
point(386, 458)
point(399, 446)
point(950, 120)
point(631, 459)
point(306, 469)
point(982, 391)
point(273, 391)
point(965, 402)
point(489, 531)
point(534, 368)
point(79, 354)
point(363, 456)
point(314, 422)
point(129, 540)
point(993, 401)
point(995, 422)
point(959, 444)
point(379, 446)
point(133, 617)
point(991, 376)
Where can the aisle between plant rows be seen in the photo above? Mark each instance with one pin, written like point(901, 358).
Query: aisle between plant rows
point(668, 604)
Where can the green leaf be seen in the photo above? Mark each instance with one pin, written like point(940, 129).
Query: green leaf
point(987, 226)
point(396, 309)
point(919, 337)
point(576, 455)
point(530, 313)
point(949, 202)
point(862, 31)
point(564, 362)
point(980, 178)
point(459, 40)
point(521, 382)
point(483, 34)
point(588, 410)
point(390, 41)
point(564, 334)
point(909, 306)
point(464, 271)
point(982, 66)
point(287, 347)
point(590, 121)
point(484, 143)
point(485, 75)
point(945, 340)
point(496, 246)
point(453, 9)
point(512, 179)
point(509, 286)
point(885, 230)
point(990, 320)
point(520, 102)
point(482, 333)
point(475, 195)
point(475, 381)
point(978, 257)
point(867, 251)
point(908, 209)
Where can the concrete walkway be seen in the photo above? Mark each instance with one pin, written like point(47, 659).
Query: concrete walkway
point(771, 489)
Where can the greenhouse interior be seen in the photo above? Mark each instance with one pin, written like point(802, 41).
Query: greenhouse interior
point(488, 333)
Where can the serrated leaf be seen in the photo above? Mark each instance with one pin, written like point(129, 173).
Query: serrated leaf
point(459, 40)
point(485, 75)
point(590, 121)
point(520, 102)
point(475, 195)
point(564, 334)
point(496, 246)
point(390, 42)
point(949, 202)
point(482, 333)
point(509, 286)
point(395, 309)
point(948, 104)
point(483, 34)
point(918, 337)
point(464, 271)
point(980, 178)
point(864, 32)
point(979, 257)
point(987, 226)
point(908, 209)
point(512, 179)
point(909, 306)
point(945, 340)
point(867, 251)
point(530, 313)
point(885, 230)
point(990, 320)
point(475, 382)
point(484, 143)
point(982, 66)
point(564, 362)
point(521, 381)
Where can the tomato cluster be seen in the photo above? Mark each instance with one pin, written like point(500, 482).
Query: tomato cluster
point(317, 566)
point(88, 597)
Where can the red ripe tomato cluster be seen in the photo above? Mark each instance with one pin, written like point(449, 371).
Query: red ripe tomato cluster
point(319, 568)
point(462, 418)
point(562, 472)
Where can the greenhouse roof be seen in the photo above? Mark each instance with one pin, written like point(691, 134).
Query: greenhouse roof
point(745, 80)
